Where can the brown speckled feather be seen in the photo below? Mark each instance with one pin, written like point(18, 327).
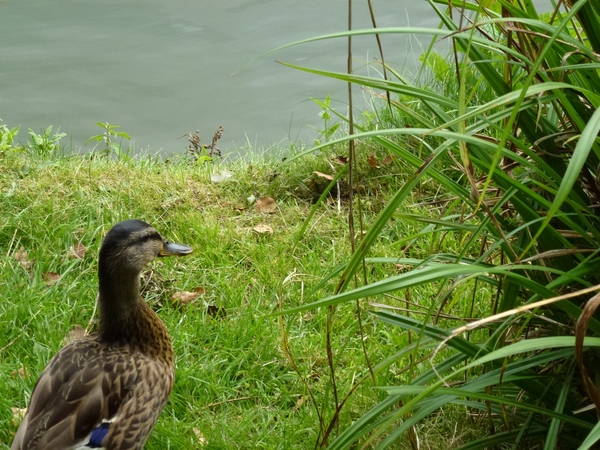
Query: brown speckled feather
point(121, 374)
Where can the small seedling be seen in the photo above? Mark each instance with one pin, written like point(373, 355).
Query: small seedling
point(108, 136)
point(328, 129)
point(7, 136)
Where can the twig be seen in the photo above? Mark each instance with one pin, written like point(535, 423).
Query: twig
point(510, 312)
point(290, 357)
point(91, 321)
point(12, 241)
point(9, 344)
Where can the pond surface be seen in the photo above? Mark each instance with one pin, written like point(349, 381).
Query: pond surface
point(164, 69)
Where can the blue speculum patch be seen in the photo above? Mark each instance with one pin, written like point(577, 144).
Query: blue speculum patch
point(98, 435)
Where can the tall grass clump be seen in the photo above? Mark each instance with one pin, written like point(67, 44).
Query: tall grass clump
point(505, 151)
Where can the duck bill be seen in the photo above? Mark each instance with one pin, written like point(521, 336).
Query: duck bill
point(172, 249)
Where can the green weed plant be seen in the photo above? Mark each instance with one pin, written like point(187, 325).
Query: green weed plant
point(505, 151)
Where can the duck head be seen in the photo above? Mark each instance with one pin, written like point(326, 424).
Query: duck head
point(126, 249)
point(131, 245)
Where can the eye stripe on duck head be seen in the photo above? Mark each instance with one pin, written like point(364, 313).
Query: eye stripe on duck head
point(129, 245)
point(145, 236)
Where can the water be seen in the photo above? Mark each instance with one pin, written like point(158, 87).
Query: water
point(163, 69)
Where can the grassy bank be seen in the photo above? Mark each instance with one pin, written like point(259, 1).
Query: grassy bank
point(236, 386)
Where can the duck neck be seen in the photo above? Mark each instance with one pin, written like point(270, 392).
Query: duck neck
point(118, 302)
point(125, 319)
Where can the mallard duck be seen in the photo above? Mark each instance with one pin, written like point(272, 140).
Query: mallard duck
point(106, 390)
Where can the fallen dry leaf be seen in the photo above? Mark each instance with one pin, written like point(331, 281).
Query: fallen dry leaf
point(324, 175)
point(23, 257)
point(20, 372)
point(18, 414)
point(308, 316)
point(77, 251)
point(200, 436)
point(200, 290)
point(402, 267)
point(184, 297)
point(262, 229)
point(216, 312)
point(373, 161)
point(266, 205)
point(387, 160)
point(51, 278)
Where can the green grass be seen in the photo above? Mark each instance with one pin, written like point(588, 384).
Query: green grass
point(489, 202)
point(234, 381)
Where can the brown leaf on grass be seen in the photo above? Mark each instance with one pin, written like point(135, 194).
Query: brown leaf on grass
point(23, 257)
point(77, 251)
point(200, 290)
point(387, 160)
point(580, 331)
point(183, 298)
point(299, 403)
point(263, 229)
point(324, 175)
point(200, 436)
point(402, 267)
point(17, 415)
point(77, 332)
point(373, 161)
point(266, 205)
point(20, 372)
point(216, 312)
point(51, 278)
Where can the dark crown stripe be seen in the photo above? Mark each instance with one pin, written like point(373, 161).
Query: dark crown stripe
point(154, 236)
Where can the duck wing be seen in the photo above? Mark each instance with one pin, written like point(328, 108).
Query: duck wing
point(95, 396)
